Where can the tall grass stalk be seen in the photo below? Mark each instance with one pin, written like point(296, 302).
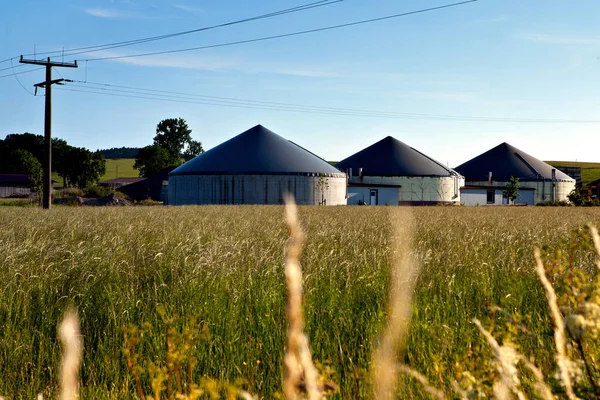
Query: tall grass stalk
point(404, 273)
point(72, 352)
point(559, 328)
point(298, 360)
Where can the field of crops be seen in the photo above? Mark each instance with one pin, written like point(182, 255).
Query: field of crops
point(222, 266)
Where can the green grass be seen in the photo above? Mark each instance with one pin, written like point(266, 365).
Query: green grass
point(223, 264)
point(16, 202)
point(122, 166)
point(589, 171)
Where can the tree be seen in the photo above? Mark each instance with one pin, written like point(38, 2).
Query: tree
point(150, 160)
point(85, 168)
point(193, 149)
point(61, 163)
point(579, 197)
point(174, 135)
point(26, 141)
point(23, 162)
point(511, 190)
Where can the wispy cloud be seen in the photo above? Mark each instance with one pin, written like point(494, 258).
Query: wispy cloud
point(453, 97)
point(208, 63)
point(111, 13)
point(558, 39)
point(489, 21)
point(186, 8)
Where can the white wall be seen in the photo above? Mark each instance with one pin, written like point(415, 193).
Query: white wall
point(385, 195)
point(407, 190)
point(478, 197)
point(543, 190)
point(256, 189)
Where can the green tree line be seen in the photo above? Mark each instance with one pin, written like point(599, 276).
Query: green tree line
point(24, 154)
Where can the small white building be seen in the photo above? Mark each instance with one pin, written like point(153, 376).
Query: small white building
point(487, 175)
point(256, 167)
point(390, 172)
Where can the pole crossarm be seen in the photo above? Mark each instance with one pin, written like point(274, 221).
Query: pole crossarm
point(49, 63)
point(43, 84)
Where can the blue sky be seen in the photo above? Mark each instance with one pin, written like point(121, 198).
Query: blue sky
point(534, 59)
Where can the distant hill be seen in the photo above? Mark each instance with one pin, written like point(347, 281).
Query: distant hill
point(589, 171)
point(120, 152)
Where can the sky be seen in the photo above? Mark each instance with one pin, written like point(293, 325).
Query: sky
point(504, 62)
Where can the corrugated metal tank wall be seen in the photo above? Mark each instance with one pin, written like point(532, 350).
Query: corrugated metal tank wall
point(256, 189)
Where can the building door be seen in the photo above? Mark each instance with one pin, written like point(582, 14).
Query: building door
point(373, 197)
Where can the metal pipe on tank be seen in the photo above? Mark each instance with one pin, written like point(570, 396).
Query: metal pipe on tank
point(553, 184)
point(490, 177)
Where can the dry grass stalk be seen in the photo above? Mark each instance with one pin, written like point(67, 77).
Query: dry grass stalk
point(507, 359)
point(559, 328)
point(463, 394)
point(596, 239)
point(72, 351)
point(436, 393)
point(404, 272)
point(297, 360)
point(541, 386)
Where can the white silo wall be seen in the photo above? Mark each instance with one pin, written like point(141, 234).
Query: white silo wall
point(256, 189)
point(409, 189)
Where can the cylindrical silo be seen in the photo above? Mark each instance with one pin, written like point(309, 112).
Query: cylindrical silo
point(257, 167)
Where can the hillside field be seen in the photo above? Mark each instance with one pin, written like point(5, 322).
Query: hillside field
point(589, 171)
point(122, 166)
point(223, 265)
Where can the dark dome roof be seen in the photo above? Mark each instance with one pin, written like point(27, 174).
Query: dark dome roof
point(257, 151)
point(391, 157)
point(504, 161)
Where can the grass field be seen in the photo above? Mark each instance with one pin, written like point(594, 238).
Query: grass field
point(589, 171)
point(223, 265)
point(122, 168)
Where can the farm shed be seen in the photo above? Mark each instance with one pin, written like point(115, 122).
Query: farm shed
point(487, 175)
point(256, 167)
point(15, 185)
point(119, 182)
point(148, 188)
point(390, 172)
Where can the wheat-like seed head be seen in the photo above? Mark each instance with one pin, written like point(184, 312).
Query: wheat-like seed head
point(72, 351)
point(596, 240)
point(435, 393)
point(559, 330)
point(507, 358)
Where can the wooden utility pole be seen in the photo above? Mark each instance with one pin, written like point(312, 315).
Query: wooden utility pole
point(47, 84)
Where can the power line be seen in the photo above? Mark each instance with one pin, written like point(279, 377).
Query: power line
point(170, 96)
point(11, 66)
point(304, 32)
point(18, 80)
point(90, 49)
point(9, 59)
point(22, 72)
